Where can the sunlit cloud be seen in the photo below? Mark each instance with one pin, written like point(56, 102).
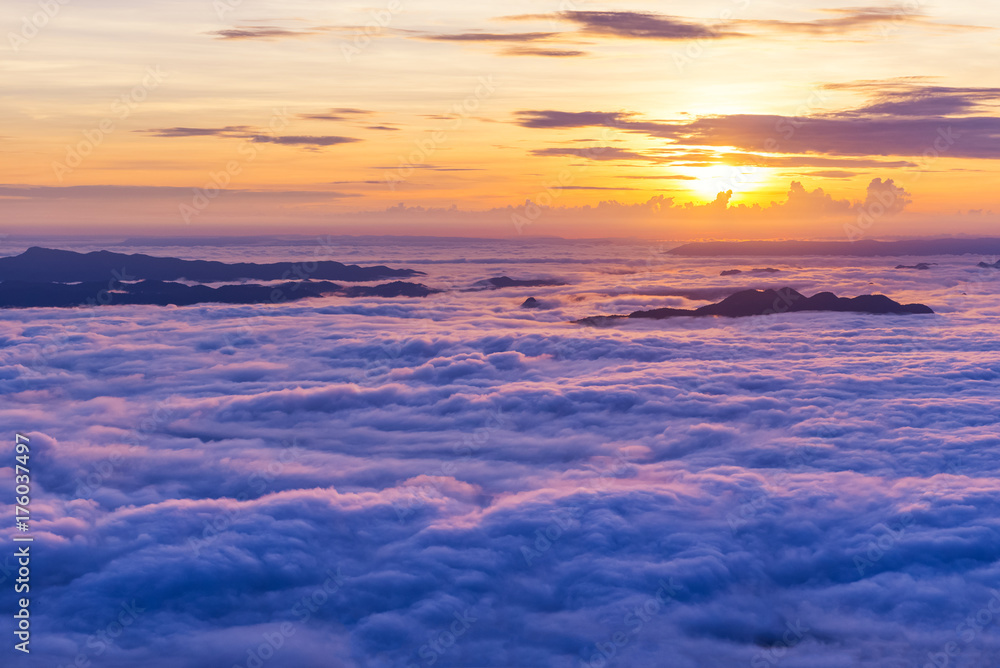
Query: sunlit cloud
point(901, 122)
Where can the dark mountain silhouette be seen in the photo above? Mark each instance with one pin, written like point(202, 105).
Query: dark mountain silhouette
point(531, 302)
point(24, 294)
point(394, 289)
point(864, 247)
point(501, 282)
point(62, 266)
point(785, 300)
point(986, 265)
point(736, 272)
point(922, 266)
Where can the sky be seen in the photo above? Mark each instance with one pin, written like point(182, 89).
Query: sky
point(570, 118)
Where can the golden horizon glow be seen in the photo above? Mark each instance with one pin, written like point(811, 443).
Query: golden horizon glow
point(307, 117)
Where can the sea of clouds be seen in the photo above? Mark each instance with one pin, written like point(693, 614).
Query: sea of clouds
point(458, 482)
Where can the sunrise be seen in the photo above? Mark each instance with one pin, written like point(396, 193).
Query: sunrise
point(518, 334)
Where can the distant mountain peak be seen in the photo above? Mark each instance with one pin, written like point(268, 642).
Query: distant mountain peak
point(747, 303)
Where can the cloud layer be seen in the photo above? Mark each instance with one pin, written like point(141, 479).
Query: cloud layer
point(460, 482)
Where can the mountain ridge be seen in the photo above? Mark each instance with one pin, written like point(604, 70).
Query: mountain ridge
point(861, 248)
point(65, 266)
point(747, 303)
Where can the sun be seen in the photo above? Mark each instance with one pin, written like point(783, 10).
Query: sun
point(708, 181)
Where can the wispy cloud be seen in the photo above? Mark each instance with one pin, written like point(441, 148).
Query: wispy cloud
point(125, 192)
point(834, 174)
point(569, 119)
point(491, 37)
point(305, 140)
point(845, 20)
point(963, 137)
point(267, 33)
point(634, 25)
point(246, 132)
point(905, 98)
point(807, 161)
point(349, 115)
point(596, 188)
point(535, 51)
point(432, 168)
point(659, 177)
point(545, 39)
point(227, 131)
point(594, 153)
point(662, 27)
point(337, 114)
point(696, 158)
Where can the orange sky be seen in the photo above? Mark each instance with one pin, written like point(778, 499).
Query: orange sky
point(230, 117)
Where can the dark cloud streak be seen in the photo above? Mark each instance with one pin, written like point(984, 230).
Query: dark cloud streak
point(265, 33)
point(595, 153)
point(549, 53)
point(246, 132)
point(639, 25)
point(491, 37)
point(338, 114)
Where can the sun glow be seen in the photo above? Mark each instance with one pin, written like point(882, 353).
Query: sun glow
point(714, 179)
